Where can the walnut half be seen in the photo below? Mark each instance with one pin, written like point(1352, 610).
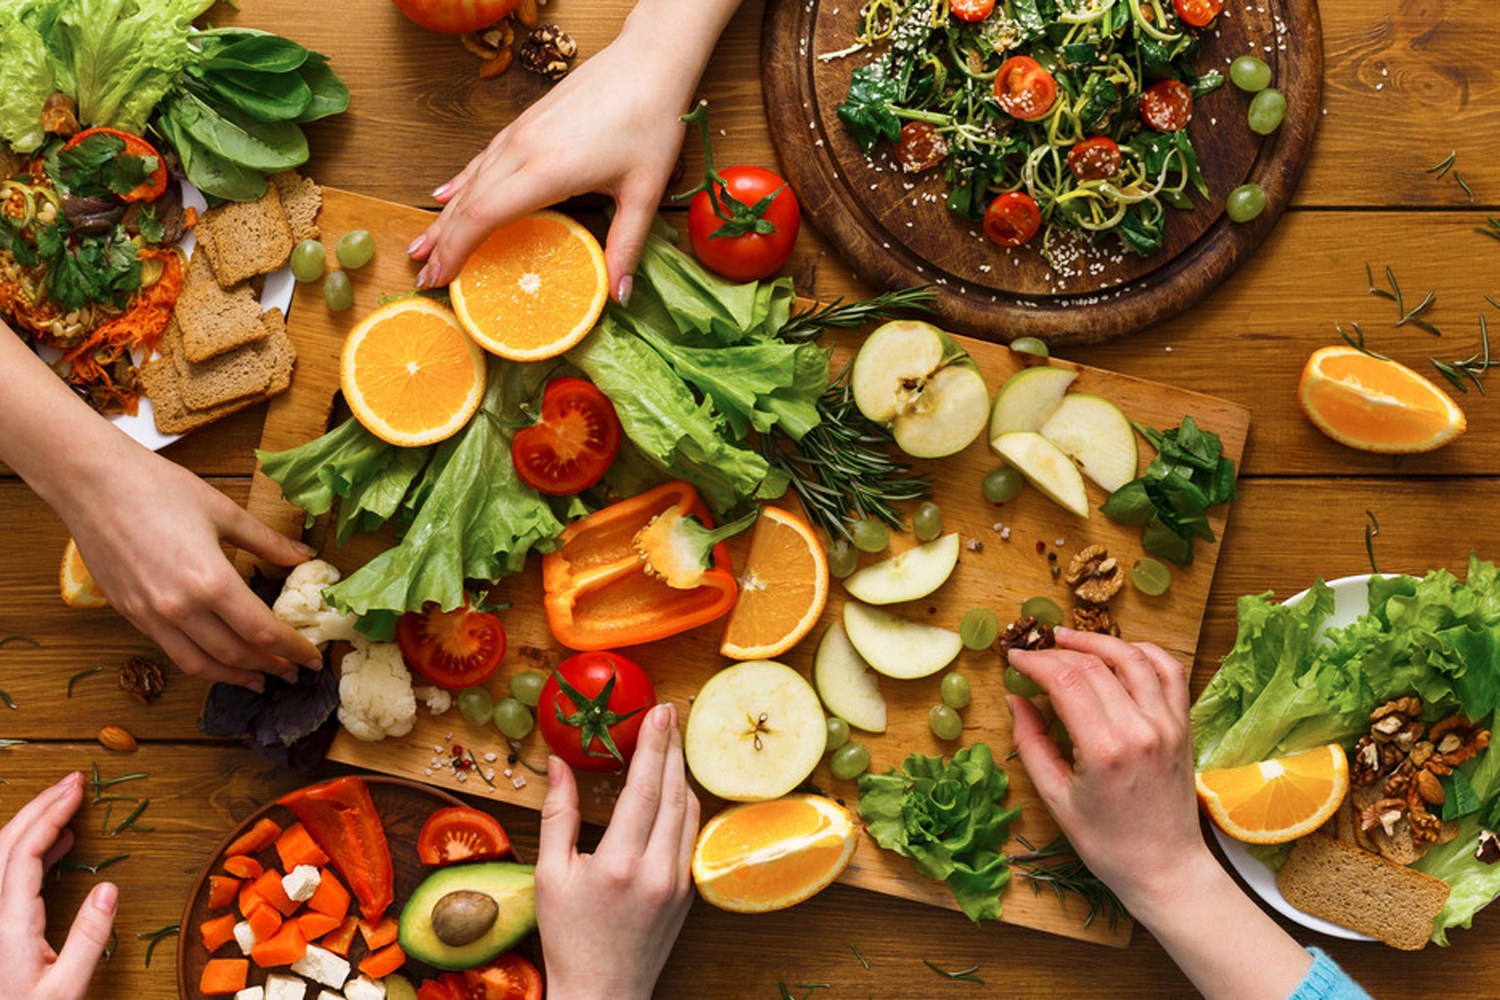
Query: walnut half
point(1095, 575)
point(547, 52)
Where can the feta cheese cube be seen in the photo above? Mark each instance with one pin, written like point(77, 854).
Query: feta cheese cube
point(251, 993)
point(279, 987)
point(364, 988)
point(244, 937)
point(322, 965)
point(329, 995)
point(301, 882)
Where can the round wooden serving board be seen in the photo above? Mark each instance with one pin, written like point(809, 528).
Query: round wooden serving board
point(897, 237)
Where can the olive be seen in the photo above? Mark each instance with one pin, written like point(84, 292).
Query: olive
point(463, 917)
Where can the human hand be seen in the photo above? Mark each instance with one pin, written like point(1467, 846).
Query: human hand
point(30, 844)
point(608, 919)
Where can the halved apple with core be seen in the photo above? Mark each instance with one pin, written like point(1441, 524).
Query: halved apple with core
point(1046, 467)
point(898, 647)
point(1094, 433)
point(915, 379)
point(755, 732)
point(1028, 398)
point(912, 574)
point(845, 682)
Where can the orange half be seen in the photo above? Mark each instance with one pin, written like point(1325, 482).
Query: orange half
point(1278, 800)
point(1376, 405)
point(765, 856)
point(783, 587)
point(76, 582)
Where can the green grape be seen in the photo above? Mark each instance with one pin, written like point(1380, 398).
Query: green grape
point(1267, 109)
point(927, 521)
point(1250, 74)
point(1030, 345)
point(1061, 737)
point(338, 291)
point(526, 687)
point(1150, 576)
point(979, 628)
point(843, 559)
point(1003, 485)
point(1018, 683)
point(1245, 202)
point(512, 718)
point(475, 704)
point(871, 535)
point(1044, 610)
point(355, 249)
point(850, 761)
point(955, 690)
point(309, 260)
point(838, 733)
point(944, 722)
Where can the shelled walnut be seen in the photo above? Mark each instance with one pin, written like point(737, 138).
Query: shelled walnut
point(1094, 618)
point(142, 678)
point(1095, 575)
point(547, 52)
point(1025, 633)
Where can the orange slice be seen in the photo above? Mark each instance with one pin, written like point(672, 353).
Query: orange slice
point(1376, 405)
point(765, 856)
point(533, 289)
point(1276, 800)
point(782, 590)
point(78, 587)
point(410, 373)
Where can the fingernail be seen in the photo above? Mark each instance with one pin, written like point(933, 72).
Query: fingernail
point(1061, 630)
point(416, 245)
point(316, 663)
point(69, 779)
point(258, 685)
point(304, 550)
point(442, 189)
point(554, 767)
point(622, 290)
point(104, 897)
point(661, 716)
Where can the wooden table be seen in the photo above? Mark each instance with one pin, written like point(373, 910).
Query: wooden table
point(1407, 81)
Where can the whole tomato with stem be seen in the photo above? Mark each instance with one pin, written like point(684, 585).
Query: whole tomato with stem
point(454, 17)
point(591, 710)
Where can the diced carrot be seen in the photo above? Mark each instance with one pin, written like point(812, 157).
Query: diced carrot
point(339, 939)
point(330, 898)
point(283, 948)
point(315, 925)
point(296, 847)
point(249, 899)
point(265, 921)
point(379, 935)
point(221, 891)
point(383, 962)
point(217, 932)
point(270, 889)
point(224, 975)
point(260, 836)
point(243, 866)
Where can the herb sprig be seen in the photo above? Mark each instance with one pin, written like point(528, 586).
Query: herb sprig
point(1404, 315)
point(80, 676)
point(157, 937)
point(965, 974)
point(1056, 865)
point(809, 323)
point(1472, 367)
point(1371, 530)
point(1356, 340)
point(1491, 228)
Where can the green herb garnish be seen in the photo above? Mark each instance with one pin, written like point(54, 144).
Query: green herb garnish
point(1189, 474)
point(862, 960)
point(809, 323)
point(1471, 367)
point(1371, 530)
point(1058, 866)
point(80, 676)
point(5, 697)
point(1491, 228)
point(19, 638)
point(1357, 341)
point(965, 974)
point(156, 938)
point(129, 822)
point(1442, 168)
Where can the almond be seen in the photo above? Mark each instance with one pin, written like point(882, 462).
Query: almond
point(117, 739)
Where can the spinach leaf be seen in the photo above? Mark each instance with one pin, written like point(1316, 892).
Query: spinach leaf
point(330, 95)
point(248, 49)
point(1189, 475)
point(208, 171)
point(867, 110)
point(266, 97)
point(264, 146)
point(1142, 237)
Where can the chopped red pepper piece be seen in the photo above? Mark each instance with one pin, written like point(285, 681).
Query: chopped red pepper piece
point(342, 820)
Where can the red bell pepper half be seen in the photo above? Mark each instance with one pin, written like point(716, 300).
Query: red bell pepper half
point(342, 820)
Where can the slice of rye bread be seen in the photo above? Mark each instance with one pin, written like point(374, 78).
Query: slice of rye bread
point(234, 374)
point(301, 199)
point(1362, 891)
point(246, 238)
point(214, 321)
point(159, 379)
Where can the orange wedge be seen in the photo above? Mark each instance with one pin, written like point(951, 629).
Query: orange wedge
point(1376, 405)
point(1276, 800)
point(410, 373)
point(78, 587)
point(783, 588)
point(765, 856)
point(533, 289)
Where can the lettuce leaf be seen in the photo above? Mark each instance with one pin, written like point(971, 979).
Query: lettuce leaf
point(347, 458)
point(716, 311)
point(25, 80)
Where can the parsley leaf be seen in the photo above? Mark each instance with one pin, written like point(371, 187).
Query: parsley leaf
point(152, 228)
point(99, 166)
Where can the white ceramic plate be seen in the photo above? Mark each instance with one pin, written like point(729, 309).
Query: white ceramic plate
point(275, 294)
point(1351, 599)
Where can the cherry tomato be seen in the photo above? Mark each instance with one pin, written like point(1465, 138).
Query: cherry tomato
point(1012, 219)
point(509, 977)
point(1094, 159)
point(572, 444)
point(1198, 13)
point(455, 17)
point(921, 147)
point(588, 673)
point(1024, 89)
point(452, 649)
point(435, 989)
point(1167, 106)
point(971, 10)
point(754, 255)
point(147, 190)
point(461, 834)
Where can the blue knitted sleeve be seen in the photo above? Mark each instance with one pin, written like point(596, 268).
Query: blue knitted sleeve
point(1326, 981)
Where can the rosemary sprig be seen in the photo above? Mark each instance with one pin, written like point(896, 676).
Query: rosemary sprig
point(1491, 228)
point(1357, 341)
point(1404, 315)
point(1442, 168)
point(9, 702)
point(478, 770)
point(99, 783)
point(1374, 290)
point(129, 822)
point(1057, 865)
point(156, 938)
point(515, 751)
point(862, 960)
point(811, 988)
point(1464, 184)
point(109, 949)
point(809, 323)
point(11, 743)
point(965, 974)
point(36, 645)
point(1371, 530)
point(1471, 367)
point(69, 865)
point(80, 676)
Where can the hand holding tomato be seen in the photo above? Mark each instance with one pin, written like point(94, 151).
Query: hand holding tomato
point(591, 709)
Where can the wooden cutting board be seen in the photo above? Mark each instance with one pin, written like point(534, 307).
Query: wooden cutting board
point(994, 571)
point(895, 231)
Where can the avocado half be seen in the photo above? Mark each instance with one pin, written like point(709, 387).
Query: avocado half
point(511, 886)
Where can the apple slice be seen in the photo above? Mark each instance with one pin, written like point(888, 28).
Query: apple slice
point(755, 732)
point(912, 574)
point(845, 682)
point(898, 647)
point(1028, 398)
point(1094, 433)
point(914, 378)
point(1046, 467)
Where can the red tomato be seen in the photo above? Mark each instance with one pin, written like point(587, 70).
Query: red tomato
point(509, 977)
point(147, 190)
point(1167, 106)
point(588, 673)
point(436, 989)
point(754, 255)
point(573, 443)
point(452, 649)
point(1198, 13)
point(1012, 219)
point(1095, 159)
point(971, 10)
point(461, 834)
point(455, 16)
point(1024, 89)
point(921, 147)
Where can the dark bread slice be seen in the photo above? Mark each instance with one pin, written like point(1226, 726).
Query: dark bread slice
point(1362, 891)
point(301, 199)
point(214, 321)
point(246, 238)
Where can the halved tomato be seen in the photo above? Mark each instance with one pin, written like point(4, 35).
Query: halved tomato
point(509, 977)
point(1167, 106)
point(920, 147)
point(971, 10)
point(571, 446)
point(435, 989)
point(1198, 13)
point(452, 649)
point(455, 17)
point(461, 834)
point(1012, 218)
point(1024, 89)
point(1095, 159)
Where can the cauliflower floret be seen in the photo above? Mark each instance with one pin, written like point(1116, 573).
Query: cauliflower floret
point(435, 698)
point(375, 695)
point(301, 605)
